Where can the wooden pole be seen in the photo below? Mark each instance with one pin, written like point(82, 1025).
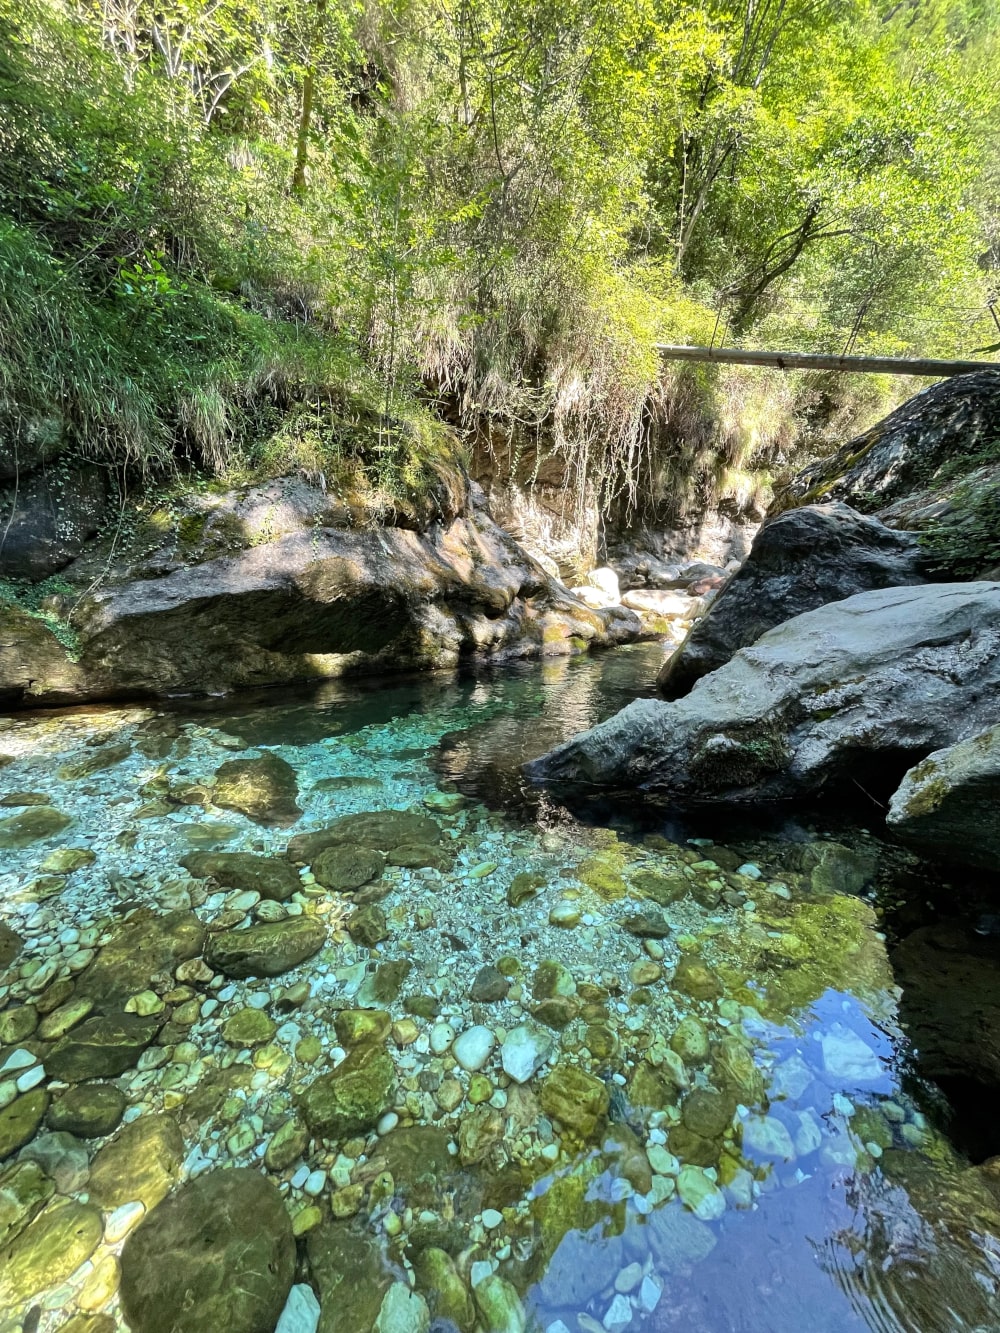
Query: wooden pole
point(873, 365)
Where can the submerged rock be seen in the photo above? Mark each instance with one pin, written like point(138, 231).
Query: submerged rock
point(350, 1099)
point(20, 1120)
point(347, 867)
point(950, 802)
point(869, 683)
point(352, 1275)
point(378, 830)
point(218, 1254)
point(141, 1164)
point(102, 1047)
point(268, 950)
point(89, 1110)
point(800, 560)
point(140, 948)
point(25, 1189)
point(32, 825)
point(264, 789)
point(52, 1247)
point(270, 876)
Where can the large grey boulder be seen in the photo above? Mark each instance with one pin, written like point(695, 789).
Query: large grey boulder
point(899, 455)
point(855, 691)
point(950, 803)
point(308, 605)
point(800, 560)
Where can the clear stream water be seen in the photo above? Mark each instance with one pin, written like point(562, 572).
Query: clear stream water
point(770, 1160)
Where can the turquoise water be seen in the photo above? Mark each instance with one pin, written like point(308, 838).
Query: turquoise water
point(696, 1108)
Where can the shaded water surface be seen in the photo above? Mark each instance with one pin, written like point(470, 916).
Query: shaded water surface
point(680, 1098)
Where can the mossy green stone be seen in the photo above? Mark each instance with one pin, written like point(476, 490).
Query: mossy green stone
point(604, 879)
point(345, 868)
point(575, 1098)
point(267, 950)
point(690, 1041)
point(248, 1027)
point(351, 1098)
point(219, 1254)
point(17, 1023)
point(367, 926)
point(357, 1026)
point(25, 1189)
point(381, 830)
point(270, 876)
point(287, 1145)
point(54, 1245)
point(349, 1268)
point(89, 1110)
point(11, 945)
point(32, 825)
point(102, 1047)
point(523, 886)
point(95, 762)
point(659, 888)
point(139, 949)
point(264, 789)
point(695, 979)
point(707, 1113)
point(420, 856)
point(142, 1162)
point(439, 1280)
point(20, 1120)
point(552, 978)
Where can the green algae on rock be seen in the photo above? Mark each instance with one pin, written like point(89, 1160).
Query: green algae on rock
point(218, 1254)
point(576, 1099)
point(95, 762)
point(51, 1247)
point(25, 1189)
point(101, 1047)
point(248, 1027)
point(20, 1120)
point(144, 945)
point(270, 876)
point(88, 1110)
point(351, 1097)
point(264, 789)
point(142, 1163)
point(379, 830)
point(32, 825)
point(267, 950)
point(347, 866)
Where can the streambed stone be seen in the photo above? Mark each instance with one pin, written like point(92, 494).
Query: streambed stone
point(140, 1165)
point(218, 1254)
point(264, 789)
point(52, 1247)
point(248, 1027)
point(25, 1189)
point(89, 1110)
point(525, 1049)
point(266, 950)
point(575, 1098)
point(381, 830)
point(347, 867)
point(102, 1047)
point(351, 1098)
point(270, 876)
point(138, 950)
point(11, 945)
point(32, 825)
point(20, 1120)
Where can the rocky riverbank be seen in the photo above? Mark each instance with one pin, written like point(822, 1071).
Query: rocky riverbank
point(277, 584)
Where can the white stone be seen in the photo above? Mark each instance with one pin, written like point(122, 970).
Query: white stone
point(300, 1177)
point(649, 1294)
point(387, 1123)
point(442, 1035)
point(473, 1048)
point(492, 1218)
point(524, 1052)
point(847, 1058)
point(120, 1222)
point(315, 1183)
point(766, 1136)
point(619, 1314)
point(557, 1327)
point(790, 1079)
point(663, 1162)
point(809, 1135)
point(402, 1311)
point(479, 1272)
point(30, 1079)
point(301, 1312)
point(629, 1278)
point(749, 870)
point(19, 1059)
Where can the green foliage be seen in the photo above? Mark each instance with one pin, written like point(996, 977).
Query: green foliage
point(47, 601)
point(248, 237)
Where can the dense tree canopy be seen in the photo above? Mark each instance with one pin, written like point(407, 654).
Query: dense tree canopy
point(255, 232)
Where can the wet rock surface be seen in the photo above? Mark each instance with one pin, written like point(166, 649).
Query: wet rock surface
point(836, 692)
point(949, 802)
point(218, 1254)
point(799, 561)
